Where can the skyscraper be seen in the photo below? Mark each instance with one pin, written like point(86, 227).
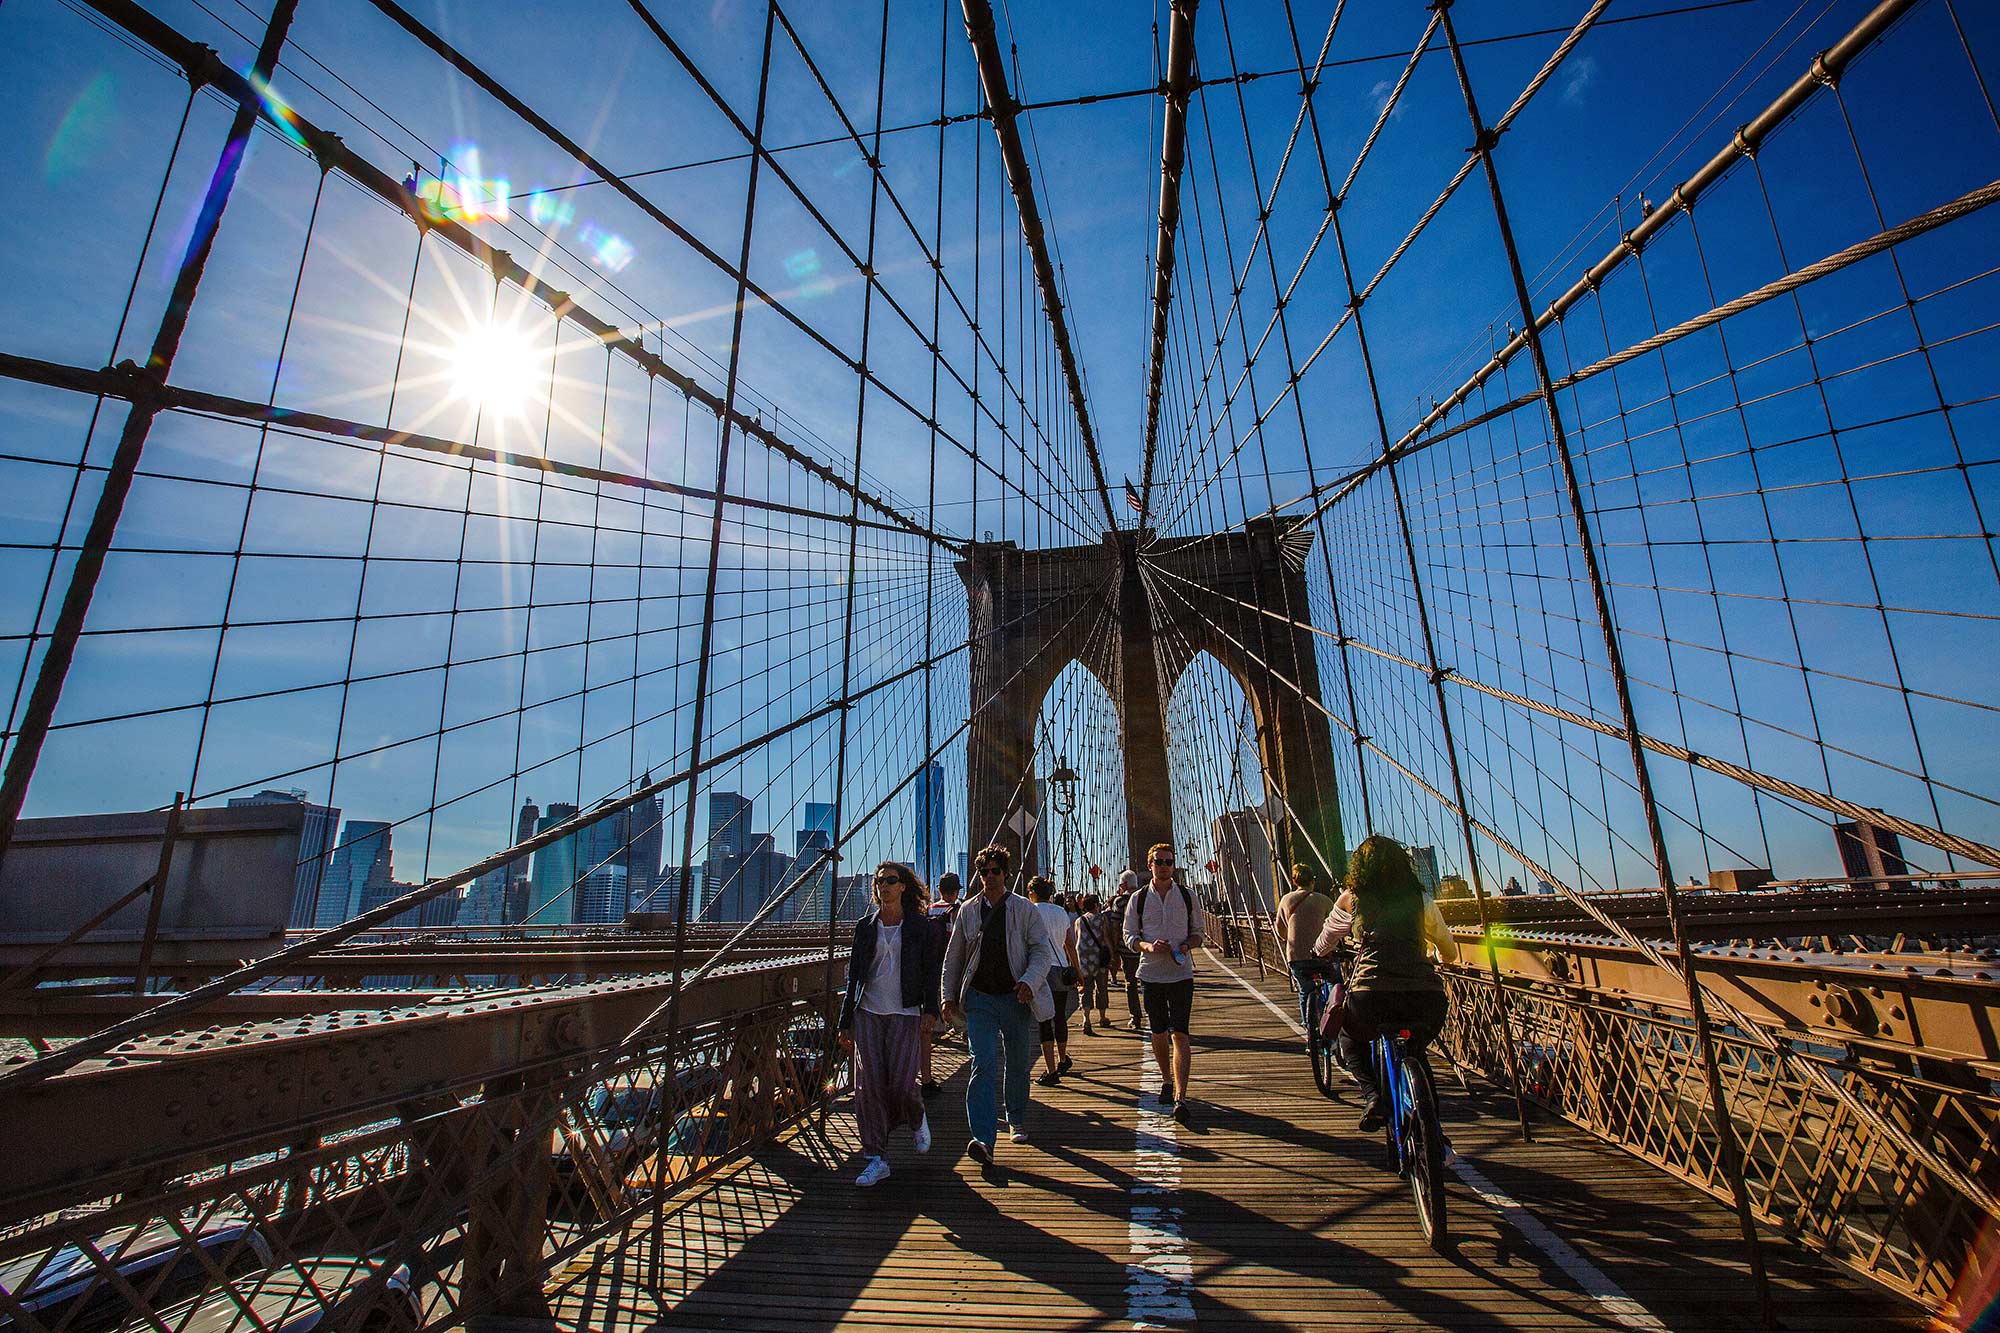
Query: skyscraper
point(486, 902)
point(554, 873)
point(601, 897)
point(642, 861)
point(728, 826)
point(360, 875)
point(748, 881)
point(315, 848)
point(808, 903)
point(930, 811)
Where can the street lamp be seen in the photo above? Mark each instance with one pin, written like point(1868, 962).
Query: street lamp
point(1062, 791)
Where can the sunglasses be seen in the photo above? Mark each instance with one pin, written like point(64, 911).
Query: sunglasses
point(992, 870)
point(888, 879)
point(1163, 860)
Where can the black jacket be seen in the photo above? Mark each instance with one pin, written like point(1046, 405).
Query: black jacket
point(923, 961)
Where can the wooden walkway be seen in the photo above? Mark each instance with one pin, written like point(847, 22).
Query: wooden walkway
point(1269, 1211)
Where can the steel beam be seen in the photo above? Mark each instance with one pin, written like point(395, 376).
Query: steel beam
point(230, 1092)
point(1175, 92)
point(1005, 110)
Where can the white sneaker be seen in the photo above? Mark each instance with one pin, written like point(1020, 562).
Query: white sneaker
point(923, 1135)
point(1018, 1134)
point(874, 1173)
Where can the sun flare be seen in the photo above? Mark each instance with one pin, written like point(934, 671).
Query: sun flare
point(497, 368)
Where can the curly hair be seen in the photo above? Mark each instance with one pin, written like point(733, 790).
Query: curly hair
point(1384, 884)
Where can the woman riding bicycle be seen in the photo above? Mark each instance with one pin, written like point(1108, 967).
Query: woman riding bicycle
point(1386, 920)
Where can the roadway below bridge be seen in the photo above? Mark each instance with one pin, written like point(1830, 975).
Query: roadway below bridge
point(1270, 1210)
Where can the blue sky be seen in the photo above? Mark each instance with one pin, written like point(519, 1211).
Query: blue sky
point(1630, 114)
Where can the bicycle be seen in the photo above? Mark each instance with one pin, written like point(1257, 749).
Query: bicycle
point(1415, 1138)
point(1319, 1049)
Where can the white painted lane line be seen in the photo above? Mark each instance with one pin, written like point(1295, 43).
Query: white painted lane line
point(1257, 995)
point(1594, 1281)
point(1596, 1284)
point(1159, 1280)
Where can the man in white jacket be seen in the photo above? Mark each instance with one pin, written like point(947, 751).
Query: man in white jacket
point(996, 971)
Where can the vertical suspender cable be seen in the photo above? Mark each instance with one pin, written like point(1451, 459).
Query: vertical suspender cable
point(1729, 1150)
point(124, 466)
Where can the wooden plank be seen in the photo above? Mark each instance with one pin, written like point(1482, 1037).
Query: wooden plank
point(1282, 1216)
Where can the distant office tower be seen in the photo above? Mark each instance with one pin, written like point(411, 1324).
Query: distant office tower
point(447, 909)
point(486, 901)
point(930, 812)
point(315, 849)
point(667, 890)
point(965, 871)
point(1243, 848)
point(551, 900)
point(515, 902)
point(602, 897)
point(811, 864)
point(360, 874)
point(747, 882)
point(728, 826)
point(1869, 853)
point(1424, 860)
point(644, 823)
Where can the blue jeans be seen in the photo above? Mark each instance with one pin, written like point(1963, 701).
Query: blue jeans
point(994, 1022)
point(1307, 972)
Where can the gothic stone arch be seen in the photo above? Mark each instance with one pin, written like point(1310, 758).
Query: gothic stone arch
point(1034, 612)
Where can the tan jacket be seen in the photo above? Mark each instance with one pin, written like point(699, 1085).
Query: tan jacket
point(1029, 956)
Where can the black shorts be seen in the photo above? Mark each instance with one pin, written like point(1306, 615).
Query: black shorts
point(1168, 1004)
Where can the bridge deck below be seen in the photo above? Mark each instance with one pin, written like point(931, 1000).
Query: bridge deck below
point(1269, 1211)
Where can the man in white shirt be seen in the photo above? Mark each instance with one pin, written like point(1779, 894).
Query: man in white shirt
point(1163, 926)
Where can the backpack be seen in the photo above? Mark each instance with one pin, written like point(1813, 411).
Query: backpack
point(1187, 904)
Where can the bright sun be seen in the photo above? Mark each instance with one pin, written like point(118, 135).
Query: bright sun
point(495, 367)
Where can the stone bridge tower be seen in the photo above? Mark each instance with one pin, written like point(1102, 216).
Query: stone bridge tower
point(1135, 610)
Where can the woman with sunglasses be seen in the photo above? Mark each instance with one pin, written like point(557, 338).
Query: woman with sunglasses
point(889, 1010)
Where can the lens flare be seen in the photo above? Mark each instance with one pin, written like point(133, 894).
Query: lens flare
point(276, 108)
point(84, 132)
point(546, 210)
point(497, 368)
point(466, 196)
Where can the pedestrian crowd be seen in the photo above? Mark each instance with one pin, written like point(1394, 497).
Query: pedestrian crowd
point(1010, 971)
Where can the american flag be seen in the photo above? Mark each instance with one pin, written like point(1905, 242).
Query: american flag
point(1132, 500)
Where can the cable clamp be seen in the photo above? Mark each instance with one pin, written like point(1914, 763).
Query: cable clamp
point(201, 65)
point(1489, 139)
point(141, 386)
point(1440, 674)
point(499, 261)
point(325, 146)
point(1628, 245)
point(1682, 199)
point(1824, 75)
point(1742, 141)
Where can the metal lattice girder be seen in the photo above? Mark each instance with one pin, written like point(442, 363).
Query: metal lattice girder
point(222, 1094)
point(1947, 1010)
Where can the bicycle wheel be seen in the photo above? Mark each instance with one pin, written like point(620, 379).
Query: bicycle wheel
point(1319, 1050)
point(1423, 1140)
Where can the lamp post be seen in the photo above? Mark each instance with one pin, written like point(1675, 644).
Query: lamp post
point(1062, 792)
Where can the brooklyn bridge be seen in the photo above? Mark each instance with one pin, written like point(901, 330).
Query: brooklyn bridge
point(520, 519)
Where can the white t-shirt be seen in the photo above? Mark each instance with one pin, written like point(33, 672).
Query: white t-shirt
point(883, 993)
point(1057, 923)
